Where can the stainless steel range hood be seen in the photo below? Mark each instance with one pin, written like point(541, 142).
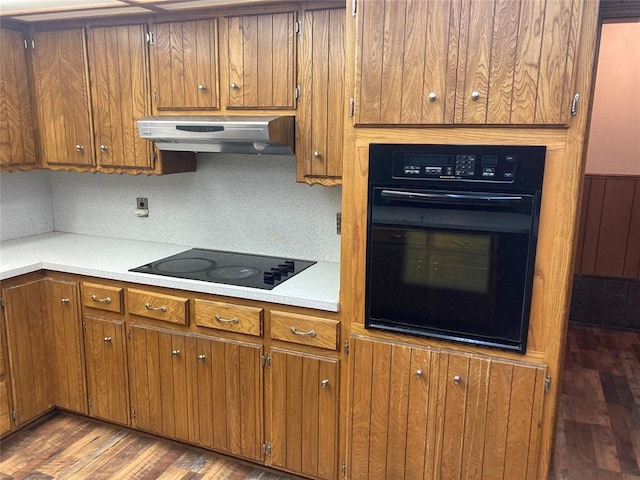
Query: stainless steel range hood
point(227, 134)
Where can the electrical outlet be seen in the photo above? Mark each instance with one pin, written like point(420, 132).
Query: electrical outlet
point(142, 203)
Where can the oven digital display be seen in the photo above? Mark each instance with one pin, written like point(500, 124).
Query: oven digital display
point(428, 160)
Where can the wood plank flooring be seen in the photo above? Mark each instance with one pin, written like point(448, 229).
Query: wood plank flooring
point(598, 432)
point(67, 446)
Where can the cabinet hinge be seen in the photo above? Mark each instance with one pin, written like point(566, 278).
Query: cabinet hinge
point(344, 469)
point(129, 334)
point(547, 384)
point(298, 27)
point(84, 326)
point(133, 413)
point(354, 7)
point(90, 402)
point(1, 302)
point(297, 93)
point(352, 107)
point(26, 44)
point(346, 348)
point(12, 415)
point(149, 36)
point(266, 449)
point(266, 360)
point(155, 95)
point(574, 104)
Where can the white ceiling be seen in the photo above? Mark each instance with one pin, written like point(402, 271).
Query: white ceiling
point(41, 10)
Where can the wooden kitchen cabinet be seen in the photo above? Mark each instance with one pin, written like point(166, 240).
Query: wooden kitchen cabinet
point(261, 65)
point(66, 367)
point(106, 366)
point(17, 138)
point(422, 413)
point(119, 73)
point(62, 94)
point(184, 65)
point(473, 62)
point(304, 392)
point(28, 346)
point(5, 407)
point(322, 104)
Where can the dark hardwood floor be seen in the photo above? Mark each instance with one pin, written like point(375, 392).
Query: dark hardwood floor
point(598, 433)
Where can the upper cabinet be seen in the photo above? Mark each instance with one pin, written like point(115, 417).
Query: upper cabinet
point(322, 105)
point(261, 61)
point(471, 62)
point(62, 93)
point(120, 90)
point(184, 65)
point(17, 140)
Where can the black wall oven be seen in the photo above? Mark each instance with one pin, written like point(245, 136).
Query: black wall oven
point(451, 240)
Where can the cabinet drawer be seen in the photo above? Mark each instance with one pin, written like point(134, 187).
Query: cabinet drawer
point(232, 318)
point(305, 330)
point(158, 305)
point(102, 297)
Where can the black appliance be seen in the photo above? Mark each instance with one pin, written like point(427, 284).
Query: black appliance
point(451, 241)
point(246, 270)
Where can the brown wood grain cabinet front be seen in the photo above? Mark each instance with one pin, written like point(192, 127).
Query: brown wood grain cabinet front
point(422, 413)
point(17, 137)
point(184, 65)
point(168, 308)
point(229, 317)
point(305, 330)
point(5, 405)
point(472, 62)
point(62, 93)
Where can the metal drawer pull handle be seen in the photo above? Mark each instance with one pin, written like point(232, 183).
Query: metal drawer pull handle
point(234, 320)
point(419, 373)
point(64, 301)
point(155, 309)
point(456, 379)
point(310, 333)
point(175, 353)
point(201, 357)
point(107, 339)
point(324, 383)
point(101, 300)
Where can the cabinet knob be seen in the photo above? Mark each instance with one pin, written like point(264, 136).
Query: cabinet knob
point(419, 373)
point(475, 95)
point(202, 357)
point(456, 379)
point(316, 154)
point(234, 86)
point(202, 88)
point(324, 383)
point(175, 353)
point(103, 148)
point(432, 97)
point(107, 339)
point(64, 301)
point(79, 148)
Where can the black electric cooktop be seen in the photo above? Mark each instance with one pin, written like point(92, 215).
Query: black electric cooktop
point(246, 270)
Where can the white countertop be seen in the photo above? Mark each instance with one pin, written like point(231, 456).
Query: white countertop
point(315, 287)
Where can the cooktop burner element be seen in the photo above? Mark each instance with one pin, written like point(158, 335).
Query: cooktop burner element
point(246, 270)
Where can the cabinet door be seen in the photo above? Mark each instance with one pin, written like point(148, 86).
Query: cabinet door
point(65, 367)
point(261, 61)
point(225, 381)
point(488, 418)
point(105, 356)
point(61, 85)
point(320, 124)
point(17, 142)
point(389, 408)
point(120, 92)
point(28, 346)
point(185, 65)
point(304, 413)
point(5, 409)
point(157, 367)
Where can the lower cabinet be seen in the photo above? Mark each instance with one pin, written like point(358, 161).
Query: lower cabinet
point(420, 413)
point(5, 408)
point(304, 413)
point(198, 389)
point(106, 366)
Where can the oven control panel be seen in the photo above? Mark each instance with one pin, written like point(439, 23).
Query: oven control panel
point(461, 166)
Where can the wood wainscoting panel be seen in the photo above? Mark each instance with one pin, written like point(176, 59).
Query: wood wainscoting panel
point(609, 235)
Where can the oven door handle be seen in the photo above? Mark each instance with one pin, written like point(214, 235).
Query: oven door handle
point(476, 198)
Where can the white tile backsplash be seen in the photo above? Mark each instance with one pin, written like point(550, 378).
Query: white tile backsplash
point(245, 203)
point(25, 204)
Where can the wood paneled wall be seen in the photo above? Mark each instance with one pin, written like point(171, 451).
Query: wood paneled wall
point(609, 235)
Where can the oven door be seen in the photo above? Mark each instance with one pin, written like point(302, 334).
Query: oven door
point(453, 265)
